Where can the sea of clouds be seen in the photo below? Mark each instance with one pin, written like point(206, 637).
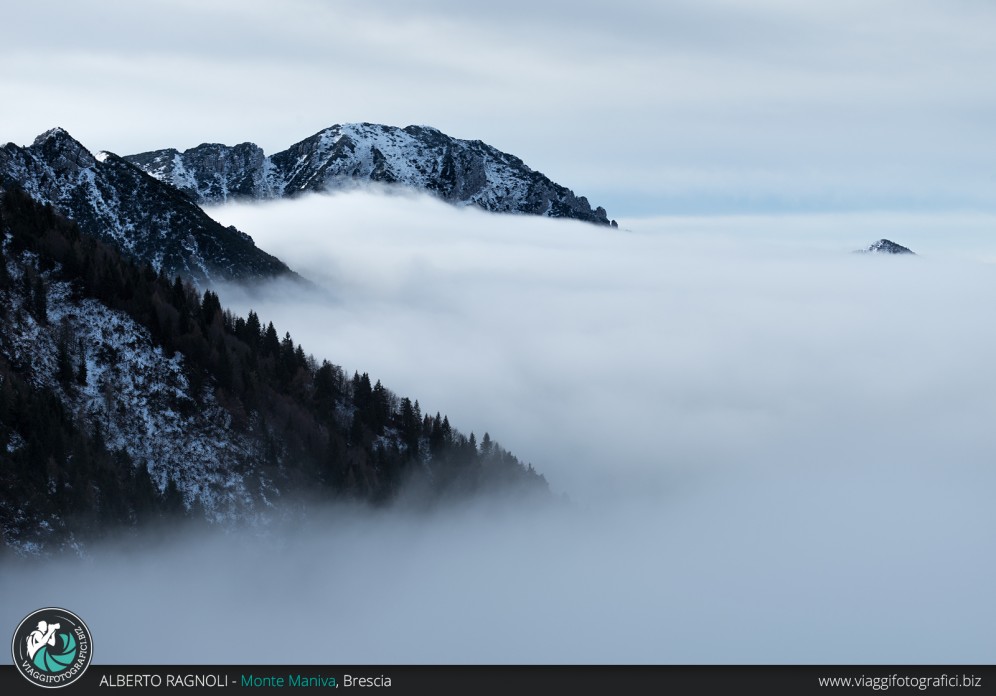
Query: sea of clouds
point(771, 449)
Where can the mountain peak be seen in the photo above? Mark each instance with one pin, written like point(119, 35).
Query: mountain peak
point(57, 133)
point(886, 246)
point(421, 158)
point(66, 154)
point(113, 200)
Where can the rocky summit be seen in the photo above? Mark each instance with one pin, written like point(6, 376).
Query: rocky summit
point(462, 172)
point(146, 219)
point(885, 246)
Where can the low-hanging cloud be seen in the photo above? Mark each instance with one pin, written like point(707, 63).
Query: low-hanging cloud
point(775, 450)
point(676, 344)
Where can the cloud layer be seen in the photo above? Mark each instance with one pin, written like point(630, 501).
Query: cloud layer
point(643, 107)
point(775, 450)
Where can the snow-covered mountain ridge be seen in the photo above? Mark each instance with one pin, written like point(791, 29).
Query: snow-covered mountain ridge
point(117, 202)
point(462, 172)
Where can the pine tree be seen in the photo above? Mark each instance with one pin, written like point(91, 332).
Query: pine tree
point(171, 501)
point(381, 408)
point(271, 344)
point(64, 361)
point(411, 426)
point(253, 330)
point(81, 374)
point(437, 440)
point(210, 306)
point(4, 272)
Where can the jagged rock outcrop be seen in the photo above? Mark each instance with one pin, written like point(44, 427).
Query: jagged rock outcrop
point(462, 172)
point(117, 202)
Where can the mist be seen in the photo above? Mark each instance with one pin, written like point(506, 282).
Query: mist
point(771, 449)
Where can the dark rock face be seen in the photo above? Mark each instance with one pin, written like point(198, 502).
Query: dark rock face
point(885, 246)
point(462, 172)
point(148, 220)
point(225, 172)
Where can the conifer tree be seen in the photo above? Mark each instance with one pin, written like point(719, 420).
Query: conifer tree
point(81, 374)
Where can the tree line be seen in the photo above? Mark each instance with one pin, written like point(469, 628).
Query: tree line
point(320, 428)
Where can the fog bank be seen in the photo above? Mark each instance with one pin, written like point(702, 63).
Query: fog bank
point(775, 450)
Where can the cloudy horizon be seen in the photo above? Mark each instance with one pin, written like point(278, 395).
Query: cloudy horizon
point(645, 109)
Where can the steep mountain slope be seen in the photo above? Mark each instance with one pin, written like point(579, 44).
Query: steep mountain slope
point(144, 218)
point(125, 396)
point(463, 172)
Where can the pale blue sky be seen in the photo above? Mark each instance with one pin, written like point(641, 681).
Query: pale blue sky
point(646, 108)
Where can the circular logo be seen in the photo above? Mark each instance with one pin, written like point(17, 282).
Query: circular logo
point(52, 647)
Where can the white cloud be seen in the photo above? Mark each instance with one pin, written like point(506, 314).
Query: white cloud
point(657, 333)
point(713, 105)
point(775, 450)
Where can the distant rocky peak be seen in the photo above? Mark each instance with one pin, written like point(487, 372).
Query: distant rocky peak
point(63, 151)
point(886, 246)
point(56, 133)
point(421, 158)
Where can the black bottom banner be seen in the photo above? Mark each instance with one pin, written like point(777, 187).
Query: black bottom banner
point(443, 680)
